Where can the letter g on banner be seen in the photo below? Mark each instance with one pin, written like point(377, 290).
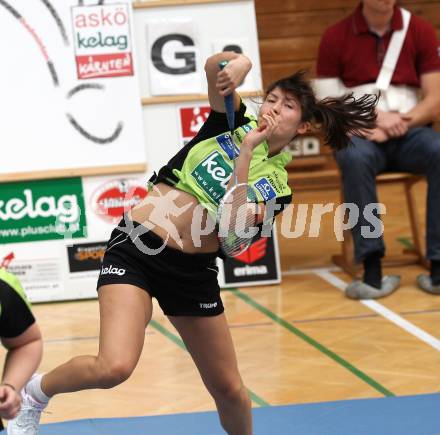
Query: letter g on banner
point(174, 51)
point(188, 57)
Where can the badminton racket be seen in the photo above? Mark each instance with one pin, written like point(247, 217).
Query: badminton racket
point(238, 209)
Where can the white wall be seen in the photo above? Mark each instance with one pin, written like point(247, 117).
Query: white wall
point(44, 266)
point(213, 23)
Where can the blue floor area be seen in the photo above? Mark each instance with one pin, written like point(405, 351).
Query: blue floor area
point(409, 415)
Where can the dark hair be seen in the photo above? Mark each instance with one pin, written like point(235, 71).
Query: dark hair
point(337, 117)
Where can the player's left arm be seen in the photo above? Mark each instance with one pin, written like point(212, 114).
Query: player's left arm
point(22, 360)
point(23, 357)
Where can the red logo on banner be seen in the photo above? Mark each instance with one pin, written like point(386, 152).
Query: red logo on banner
point(254, 253)
point(104, 65)
point(192, 119)
point(114, 198)
point(7, 260)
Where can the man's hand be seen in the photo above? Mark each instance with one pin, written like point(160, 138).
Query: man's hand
point(10, 402)
point(394, 124)
point(377, 135)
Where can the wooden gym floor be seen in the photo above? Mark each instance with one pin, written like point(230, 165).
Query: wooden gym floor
point(298, 342)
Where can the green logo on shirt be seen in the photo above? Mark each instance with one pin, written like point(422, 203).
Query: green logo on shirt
point(213, 175)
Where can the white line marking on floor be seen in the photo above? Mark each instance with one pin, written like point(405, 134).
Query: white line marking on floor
point(384, 312)
point(309, 270)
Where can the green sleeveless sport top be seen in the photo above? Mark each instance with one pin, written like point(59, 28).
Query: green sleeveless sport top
point(204, 166)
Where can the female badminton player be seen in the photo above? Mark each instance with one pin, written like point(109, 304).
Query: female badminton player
point(154, 252)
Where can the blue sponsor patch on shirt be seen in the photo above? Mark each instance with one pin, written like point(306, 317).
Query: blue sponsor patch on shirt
point(225, 141)
point(266, 190)
point(247, 128)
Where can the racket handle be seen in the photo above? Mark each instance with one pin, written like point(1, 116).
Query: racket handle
point(229, 103)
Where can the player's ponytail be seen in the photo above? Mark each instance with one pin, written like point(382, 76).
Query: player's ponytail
point(337, 117)
point(341, 117)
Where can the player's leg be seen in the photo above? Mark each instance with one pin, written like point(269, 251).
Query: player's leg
point(210, 344)
point(125, 310)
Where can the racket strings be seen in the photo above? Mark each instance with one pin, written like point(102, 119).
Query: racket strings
point(238, 218)
point(238, 210)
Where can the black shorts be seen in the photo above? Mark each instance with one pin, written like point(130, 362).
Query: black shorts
point(183, 284)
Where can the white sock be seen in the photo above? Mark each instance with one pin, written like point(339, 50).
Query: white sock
point(33, 387)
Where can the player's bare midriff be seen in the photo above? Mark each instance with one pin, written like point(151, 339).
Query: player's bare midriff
point(170, 212)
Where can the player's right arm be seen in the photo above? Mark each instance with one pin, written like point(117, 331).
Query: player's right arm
point(224, 82)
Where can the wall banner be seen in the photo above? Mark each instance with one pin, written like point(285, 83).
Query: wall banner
point(191, 120)
point(38, 266)
point(102, 41)
point(174, 65)
point(41, 210)
point(258, 265)
point(71, 76)
point(111, 199)
point(85, 257)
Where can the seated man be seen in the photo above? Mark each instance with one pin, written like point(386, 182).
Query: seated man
point(350, 59)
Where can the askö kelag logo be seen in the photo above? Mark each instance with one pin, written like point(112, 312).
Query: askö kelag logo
point(102, 41)
point(111, 200)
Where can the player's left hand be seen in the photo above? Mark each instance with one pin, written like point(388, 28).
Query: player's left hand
point(263, 132)
point(10, 402)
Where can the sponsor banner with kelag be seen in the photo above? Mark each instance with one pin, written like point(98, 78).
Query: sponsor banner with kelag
point(258, 265)
point(102, 39)
point(42, 210)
